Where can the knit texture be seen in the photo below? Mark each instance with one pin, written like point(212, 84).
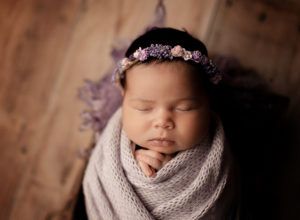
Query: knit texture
point(187, 187)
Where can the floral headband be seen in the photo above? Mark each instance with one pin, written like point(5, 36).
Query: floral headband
point(160, 51)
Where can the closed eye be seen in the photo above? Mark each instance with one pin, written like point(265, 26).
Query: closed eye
point(184, 108)
point(143, 109)
point(141, 105)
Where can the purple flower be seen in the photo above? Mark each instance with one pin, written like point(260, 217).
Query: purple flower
point(196, 56)
point(204, 60)
point(160, 51)
point(143, 55)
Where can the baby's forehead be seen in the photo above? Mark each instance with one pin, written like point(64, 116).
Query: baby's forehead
point(165, 66)
point(162, 76)
point(163, 70)
point(173, 64)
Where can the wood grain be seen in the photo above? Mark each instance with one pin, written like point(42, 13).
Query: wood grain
point(263, 37)
point(48, 48)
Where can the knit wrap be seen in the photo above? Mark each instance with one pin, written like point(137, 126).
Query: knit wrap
point(189, 186)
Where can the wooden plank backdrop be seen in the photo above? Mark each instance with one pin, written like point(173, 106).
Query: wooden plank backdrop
point(49, 46)
point(265, 35)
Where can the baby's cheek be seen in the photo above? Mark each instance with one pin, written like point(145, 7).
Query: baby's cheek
point(134, 126)
point(192, 129)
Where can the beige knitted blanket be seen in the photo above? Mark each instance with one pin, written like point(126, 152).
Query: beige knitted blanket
point(188, 187)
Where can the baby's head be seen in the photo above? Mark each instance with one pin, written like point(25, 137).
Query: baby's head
point(166, 90)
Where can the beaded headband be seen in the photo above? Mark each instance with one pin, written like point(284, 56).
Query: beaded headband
point(160, 51)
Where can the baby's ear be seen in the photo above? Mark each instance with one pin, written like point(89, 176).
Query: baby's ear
point(120, 88)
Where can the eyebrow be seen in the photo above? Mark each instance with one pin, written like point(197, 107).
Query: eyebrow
point(141, 100)
point(152, 101)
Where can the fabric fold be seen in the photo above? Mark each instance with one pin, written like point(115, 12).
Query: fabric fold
point(187, 187)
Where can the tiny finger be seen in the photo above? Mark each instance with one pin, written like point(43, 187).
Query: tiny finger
point(151, 153)
point(147, 170)
point(152, 162)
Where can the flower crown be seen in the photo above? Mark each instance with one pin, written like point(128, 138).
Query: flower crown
point(160, 51)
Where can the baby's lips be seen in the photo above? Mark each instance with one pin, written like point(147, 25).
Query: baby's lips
point(161, 143)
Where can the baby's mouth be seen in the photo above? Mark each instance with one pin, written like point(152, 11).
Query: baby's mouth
point(161, 142)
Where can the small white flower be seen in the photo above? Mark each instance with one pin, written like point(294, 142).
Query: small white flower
point(187, 55)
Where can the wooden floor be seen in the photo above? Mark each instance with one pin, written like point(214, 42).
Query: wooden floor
point(48, 47)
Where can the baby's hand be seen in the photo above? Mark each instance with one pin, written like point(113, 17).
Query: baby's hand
point(150, 161)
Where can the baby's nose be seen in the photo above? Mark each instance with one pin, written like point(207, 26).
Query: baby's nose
point(165, 125)
point(164, 120)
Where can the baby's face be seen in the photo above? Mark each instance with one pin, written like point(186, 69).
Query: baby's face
point(164, 107)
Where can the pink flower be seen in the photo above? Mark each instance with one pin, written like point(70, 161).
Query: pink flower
point(177, 51)
point(125, 63)
point(143, 55)
point(137, 53)
point(140, 54)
